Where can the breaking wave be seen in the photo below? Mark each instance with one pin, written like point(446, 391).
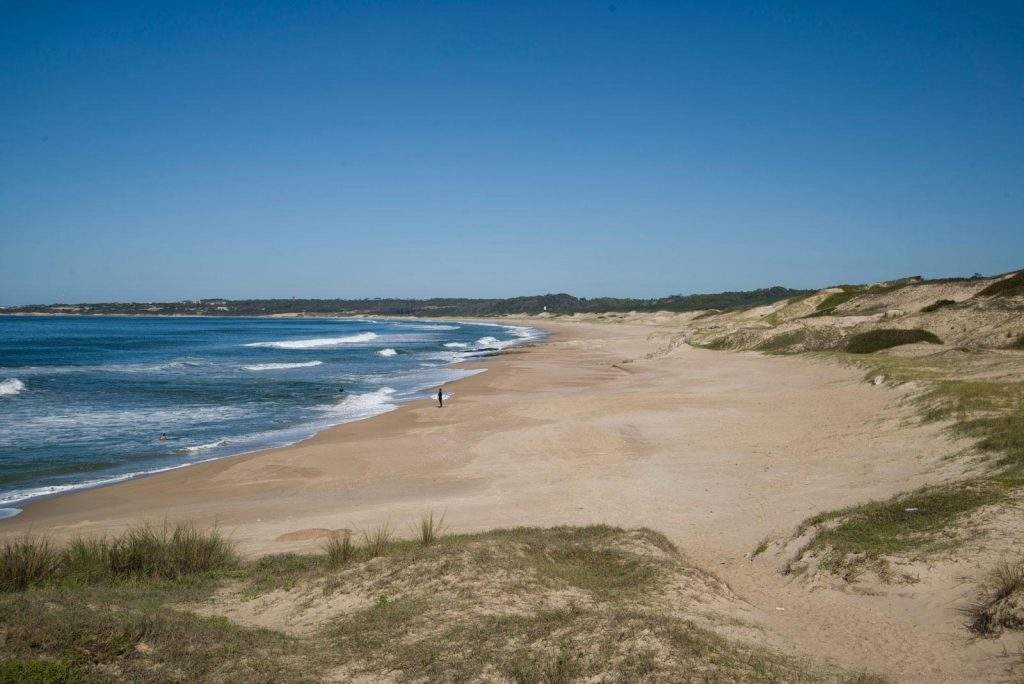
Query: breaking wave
point(316, 342)
point(10, 387)
point(281, 366)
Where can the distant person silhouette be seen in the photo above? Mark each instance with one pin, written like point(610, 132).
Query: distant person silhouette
point(440, 398)
point(163, 436)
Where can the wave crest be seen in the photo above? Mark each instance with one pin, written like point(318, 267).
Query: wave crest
point(316, 342)
point(281, 366)
point(387, 352)
point(10, 387)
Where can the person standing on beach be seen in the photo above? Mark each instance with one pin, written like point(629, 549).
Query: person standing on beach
point(440, 398)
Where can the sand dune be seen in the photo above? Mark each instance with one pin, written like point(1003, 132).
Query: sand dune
point(617, 424)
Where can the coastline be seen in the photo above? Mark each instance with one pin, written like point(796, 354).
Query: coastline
point(600, 423)
point(16, 508)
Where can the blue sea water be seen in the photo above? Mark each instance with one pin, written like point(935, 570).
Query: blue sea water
point(83, 400)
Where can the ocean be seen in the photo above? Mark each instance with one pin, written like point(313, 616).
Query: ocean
point(84, 400)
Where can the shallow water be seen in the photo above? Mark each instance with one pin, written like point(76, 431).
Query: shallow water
point(84, 400)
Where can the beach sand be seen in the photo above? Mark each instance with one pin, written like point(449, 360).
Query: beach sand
point(600, 424)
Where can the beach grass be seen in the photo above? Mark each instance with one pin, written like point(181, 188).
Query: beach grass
point(520, 604)
point(907, 526)
point(988, 411)
point(142, 552)
point(339, 550)
point(430, 529)
point(1000, 602)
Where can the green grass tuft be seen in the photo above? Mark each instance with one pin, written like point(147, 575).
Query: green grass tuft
point(886, 338)
point(377, 541)
point(339, 550)
point(26, 561)
point(431, 529)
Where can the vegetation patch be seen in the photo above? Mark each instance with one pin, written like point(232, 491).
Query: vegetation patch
point(1007, 287)
point(886, 338)
point(134, 636)
point(522, 604)
point(143, 552)
point(1000, 603)
point(912, 525)
point(828, 305)
point(16, 671)
point(783, 341)
point(834, 300)
point(936, 305)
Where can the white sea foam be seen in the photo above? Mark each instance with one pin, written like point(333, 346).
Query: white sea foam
point(488, 342)
point(16, 495)
point(202, 447)
point(281, 366)
point(456, 345)
point(110, 368)
point(356, 406)
point(10, 387)
point(427, 326)
point(76, 423)
point(387, 352)
point(317, 342)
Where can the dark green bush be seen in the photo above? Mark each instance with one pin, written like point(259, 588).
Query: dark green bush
point(940, 304)
point(1007, 287)
point(876, 340)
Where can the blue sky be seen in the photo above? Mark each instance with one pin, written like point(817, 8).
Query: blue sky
point(156, 151)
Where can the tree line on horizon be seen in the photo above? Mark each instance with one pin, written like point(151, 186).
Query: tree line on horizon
point(561, 303)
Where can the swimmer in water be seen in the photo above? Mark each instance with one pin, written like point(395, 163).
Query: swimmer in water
point(163, 436)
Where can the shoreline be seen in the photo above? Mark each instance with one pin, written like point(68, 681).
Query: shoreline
point(603, 423)
point(17, 508)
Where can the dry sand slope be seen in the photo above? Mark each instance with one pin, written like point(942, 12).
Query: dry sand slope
point(602, 424)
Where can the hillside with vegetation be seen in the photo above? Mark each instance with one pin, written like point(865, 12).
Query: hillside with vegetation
point(438, 307)
point(161, 604)
point(953, 351)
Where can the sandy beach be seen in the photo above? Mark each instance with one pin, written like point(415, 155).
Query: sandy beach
point(601, 423)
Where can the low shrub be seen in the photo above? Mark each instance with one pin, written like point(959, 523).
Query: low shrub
point(940, 304)
point(886, 338)
point(1007, 287)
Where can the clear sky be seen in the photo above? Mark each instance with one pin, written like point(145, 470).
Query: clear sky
point(155, 151)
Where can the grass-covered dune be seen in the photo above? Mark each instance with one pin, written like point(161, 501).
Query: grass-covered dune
point(176, 604)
